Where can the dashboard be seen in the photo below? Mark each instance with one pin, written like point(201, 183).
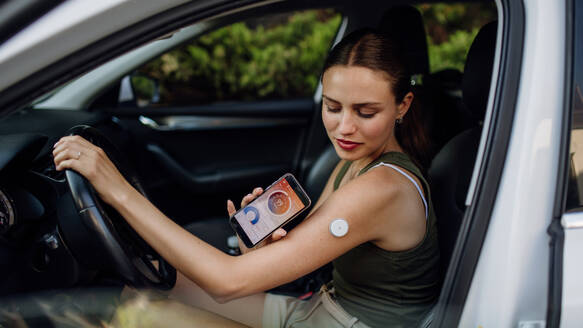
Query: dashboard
point(33, 253)
point(20, 200)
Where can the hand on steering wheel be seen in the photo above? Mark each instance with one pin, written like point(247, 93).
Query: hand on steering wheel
point(76, 153)
point(97, 175)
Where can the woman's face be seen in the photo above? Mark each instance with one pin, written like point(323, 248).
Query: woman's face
point(359, 112)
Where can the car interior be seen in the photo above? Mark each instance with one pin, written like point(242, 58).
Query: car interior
point(188, 160)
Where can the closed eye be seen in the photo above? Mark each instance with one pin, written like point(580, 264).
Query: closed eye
point(365, 115)
point(333, 109)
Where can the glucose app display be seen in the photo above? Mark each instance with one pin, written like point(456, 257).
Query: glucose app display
point(269, 211)
point(278, 203)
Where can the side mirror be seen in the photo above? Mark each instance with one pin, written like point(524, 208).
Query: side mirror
point(137, 90)
point(146, 89)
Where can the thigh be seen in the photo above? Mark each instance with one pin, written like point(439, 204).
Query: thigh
point(247, 310)
point(320, 311)
point(146, 311)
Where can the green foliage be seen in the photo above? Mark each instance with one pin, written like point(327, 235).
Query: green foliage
point(281, 56)
point(451, 54)
point(144, 87)
point(451, 28)
point(246, 61)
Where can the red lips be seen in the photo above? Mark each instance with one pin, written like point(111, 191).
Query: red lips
point(346, 144)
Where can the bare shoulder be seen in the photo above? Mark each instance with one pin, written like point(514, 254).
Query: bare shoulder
point(397, 208)
point(378, 184)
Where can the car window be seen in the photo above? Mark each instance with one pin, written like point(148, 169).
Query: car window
point(272, 57)
point(575, 185)
point(450, 30)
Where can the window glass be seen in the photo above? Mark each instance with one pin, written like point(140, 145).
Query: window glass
point(274, 57)
point(575, 187)
point(451, 28)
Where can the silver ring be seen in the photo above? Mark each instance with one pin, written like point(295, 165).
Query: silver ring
point(78, 155)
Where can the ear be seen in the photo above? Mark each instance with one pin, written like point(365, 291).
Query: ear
point(405, 104)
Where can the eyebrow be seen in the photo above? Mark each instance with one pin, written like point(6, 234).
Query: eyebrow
point(364, 104)
point(330, 99)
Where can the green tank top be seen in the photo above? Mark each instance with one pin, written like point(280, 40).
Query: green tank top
point(385, 288)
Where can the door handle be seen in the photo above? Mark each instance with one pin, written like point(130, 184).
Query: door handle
point(146, 121)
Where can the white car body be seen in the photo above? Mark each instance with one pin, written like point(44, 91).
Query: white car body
point(513, 266)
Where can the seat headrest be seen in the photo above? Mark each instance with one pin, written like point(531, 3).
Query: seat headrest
point(478, 71)
point(405, 24)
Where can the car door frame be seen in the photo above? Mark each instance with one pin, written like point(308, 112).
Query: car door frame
point(490, 165)
point(566, 228)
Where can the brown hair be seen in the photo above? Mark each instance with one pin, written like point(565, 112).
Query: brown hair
point(377, 51)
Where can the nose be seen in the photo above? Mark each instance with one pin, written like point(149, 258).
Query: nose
point(347, 125)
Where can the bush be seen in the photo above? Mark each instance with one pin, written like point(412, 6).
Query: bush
point(451, 28)
point(246, 61)
point(451, 54)
point(281, 56)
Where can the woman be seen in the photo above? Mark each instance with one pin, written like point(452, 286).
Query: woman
point(385, 267)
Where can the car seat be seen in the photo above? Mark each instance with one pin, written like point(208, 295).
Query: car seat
point(439, 93)
point(404, 24)
point(451, 169)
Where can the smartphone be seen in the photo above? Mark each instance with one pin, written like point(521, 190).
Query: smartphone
point(284, 200)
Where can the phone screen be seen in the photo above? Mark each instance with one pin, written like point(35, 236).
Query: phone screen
point(269, 211)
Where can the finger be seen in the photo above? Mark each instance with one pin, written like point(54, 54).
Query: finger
point(72, 141)
point(70, 149)
point(66, 164)
point(59, 148)
point(231, 208)
point(247, 199)
point(60, 155)
point(278, 234)
point(61, 141)
point(257, 191)
point(70, 154)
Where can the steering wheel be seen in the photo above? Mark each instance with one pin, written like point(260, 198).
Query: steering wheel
point(102, 239)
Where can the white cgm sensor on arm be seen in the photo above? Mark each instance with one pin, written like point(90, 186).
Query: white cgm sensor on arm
point(338, 227)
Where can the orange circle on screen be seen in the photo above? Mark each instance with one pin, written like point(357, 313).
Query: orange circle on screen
point(278, 203)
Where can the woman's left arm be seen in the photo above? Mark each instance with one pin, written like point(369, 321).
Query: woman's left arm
point(307, 247)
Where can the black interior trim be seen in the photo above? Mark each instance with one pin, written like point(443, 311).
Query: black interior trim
point(19, 148)
point(477, 217)
point(206, 123)
point(555, 230)
point(567, 119)
point(555, 294)
point(15, 15)
point(302, 107)
point(210, 182)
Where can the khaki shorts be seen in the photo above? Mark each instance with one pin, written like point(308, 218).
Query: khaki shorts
point(320, 311)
